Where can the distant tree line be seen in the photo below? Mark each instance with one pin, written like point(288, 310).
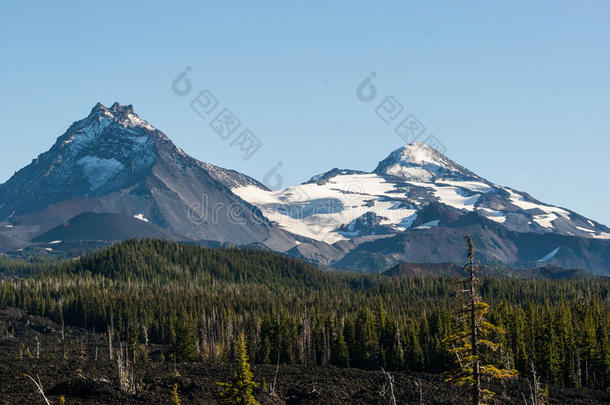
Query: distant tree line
point(26, 266)
point(198, 300)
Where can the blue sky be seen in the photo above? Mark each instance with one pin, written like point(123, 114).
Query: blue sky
point(517, 92)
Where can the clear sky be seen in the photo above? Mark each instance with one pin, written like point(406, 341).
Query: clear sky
point(517, 92)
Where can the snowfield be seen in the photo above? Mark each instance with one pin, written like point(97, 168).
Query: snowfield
point(316, 211)
point(519, 201)
point(405, 182)
point(493, 215)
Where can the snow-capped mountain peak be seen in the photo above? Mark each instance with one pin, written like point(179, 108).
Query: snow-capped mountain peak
point(122, 114)
point(117, 125)
point(112, 161)
point(110, 149)
point(116, 110)
point(420, 162)
point(416, 153)
point(338, 204)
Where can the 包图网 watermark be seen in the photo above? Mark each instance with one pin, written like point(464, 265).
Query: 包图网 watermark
point(390, 111)
point(228, 127)
point(222, 120)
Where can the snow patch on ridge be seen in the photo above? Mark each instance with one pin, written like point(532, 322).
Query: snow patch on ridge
point(99, 171)
point(549, 256)
point(475, 186)
point(451, 195)
point(428, 225)
point(494, 215)
point(545, 220)
point(519, 200)
point(141, 217)
point(133, 120)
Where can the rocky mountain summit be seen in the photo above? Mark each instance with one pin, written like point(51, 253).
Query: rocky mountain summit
point(113, 161)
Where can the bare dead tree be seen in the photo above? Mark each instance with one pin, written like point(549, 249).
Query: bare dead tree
point(277, 366)
point(126, 375)
point(421, 394)
point(83, 349)
point(390, 379)
point(534, 387)
point(277, 370)
point(176, 373)
point(472, 281)
point(63, 337)
point(110, 342)
point(39, 387)
point(145, 333)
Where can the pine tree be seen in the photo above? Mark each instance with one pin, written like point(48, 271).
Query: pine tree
point(415, 355)
point(239, 390)
point(184, 340)
point(265, 351)
point(339, 352)
point(366, 352)
point(475, 340)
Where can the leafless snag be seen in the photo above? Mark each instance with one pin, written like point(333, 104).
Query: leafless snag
point(390, 379)
point(126, 375)
point(110, 342)
point(145, 333)
point(534, 387)
point(38, 387)
point(277, 366)
point(277, 370)
point(421, 394)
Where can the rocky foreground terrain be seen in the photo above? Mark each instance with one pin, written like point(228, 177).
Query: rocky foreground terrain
point(78, 369)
